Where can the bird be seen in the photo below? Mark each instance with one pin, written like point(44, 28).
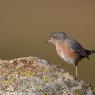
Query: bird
point(70, 50)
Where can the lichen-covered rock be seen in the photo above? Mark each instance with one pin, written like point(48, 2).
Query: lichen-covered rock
point(35, 76)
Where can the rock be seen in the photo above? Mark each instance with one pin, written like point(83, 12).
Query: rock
point(36, 76)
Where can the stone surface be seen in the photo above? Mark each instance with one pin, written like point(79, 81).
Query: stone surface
point(36, 76)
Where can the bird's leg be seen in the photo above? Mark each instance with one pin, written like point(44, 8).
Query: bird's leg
point(76, 71)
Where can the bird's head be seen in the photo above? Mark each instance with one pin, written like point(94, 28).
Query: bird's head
point(57, 37)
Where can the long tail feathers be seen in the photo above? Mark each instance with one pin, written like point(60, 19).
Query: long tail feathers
point(90, 52)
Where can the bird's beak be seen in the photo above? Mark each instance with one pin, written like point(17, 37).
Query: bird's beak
point(48, 41)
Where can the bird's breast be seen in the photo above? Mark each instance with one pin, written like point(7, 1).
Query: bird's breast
point(66, 53)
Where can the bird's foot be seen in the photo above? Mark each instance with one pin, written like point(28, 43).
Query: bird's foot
point(76, 78)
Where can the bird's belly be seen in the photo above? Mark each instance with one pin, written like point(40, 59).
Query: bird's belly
point(66, 58)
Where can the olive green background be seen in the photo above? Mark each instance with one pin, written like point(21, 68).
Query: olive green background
point(26, 24)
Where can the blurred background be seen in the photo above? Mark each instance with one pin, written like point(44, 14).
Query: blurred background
point(26, 24)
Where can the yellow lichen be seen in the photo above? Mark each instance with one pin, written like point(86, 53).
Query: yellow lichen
point(46, 78)
point(27, 73)
point(6, 82)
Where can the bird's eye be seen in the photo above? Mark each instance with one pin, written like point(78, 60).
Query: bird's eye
point(54, 37)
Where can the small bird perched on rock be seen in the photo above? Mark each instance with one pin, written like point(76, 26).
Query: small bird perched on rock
point(69, 49)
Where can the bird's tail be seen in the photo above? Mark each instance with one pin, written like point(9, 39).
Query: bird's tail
point(90, 52)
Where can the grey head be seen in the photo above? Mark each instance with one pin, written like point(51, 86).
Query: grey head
point(57, 37)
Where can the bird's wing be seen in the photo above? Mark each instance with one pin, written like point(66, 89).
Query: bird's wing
point(76, 47)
